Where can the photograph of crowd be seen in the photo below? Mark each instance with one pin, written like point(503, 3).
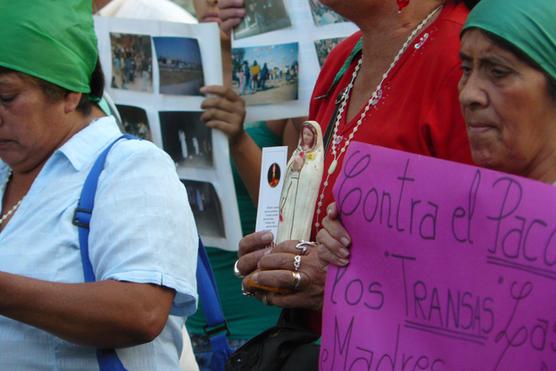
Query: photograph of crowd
point(262, 16)
point(186, 138)
point(180, 65)
point(131, 62)
point(325, 46)
point(266, 74)
point(135, 121)
point(206, 208)
point(322, 15)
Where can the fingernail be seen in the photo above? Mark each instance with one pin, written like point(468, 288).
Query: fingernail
point(344, 262)
point(329, 210)
point(267, 237)
point(345, 241)
point(344, 253)
point(255, 277)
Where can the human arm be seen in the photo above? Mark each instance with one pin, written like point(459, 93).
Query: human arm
point(231, 13)
point(333, 240)
point(291, 133)
point(225, 111)
point(104, 314)
point(142, 235)
point(139, 227)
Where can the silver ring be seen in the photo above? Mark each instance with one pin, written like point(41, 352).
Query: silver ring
point(302, 246)
point(297, 262)
point(296, 280)
point(237, 273)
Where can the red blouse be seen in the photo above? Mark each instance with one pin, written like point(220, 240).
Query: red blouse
point(419, 110)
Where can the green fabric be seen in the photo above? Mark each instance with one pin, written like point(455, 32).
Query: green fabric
point(105, 107)
point(246, 316)
point(529, 25)
point(52, 40)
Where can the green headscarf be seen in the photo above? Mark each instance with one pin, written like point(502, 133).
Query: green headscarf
point(53, 40)
point(529, 25)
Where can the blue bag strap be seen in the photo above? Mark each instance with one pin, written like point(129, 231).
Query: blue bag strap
point(216, 327)
point(107, 358)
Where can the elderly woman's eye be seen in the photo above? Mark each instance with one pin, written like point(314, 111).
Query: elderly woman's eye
point(6, 98)
point(499, 73)
point(465, 69)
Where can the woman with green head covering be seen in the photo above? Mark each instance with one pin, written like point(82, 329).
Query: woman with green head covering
point(142, 240)
point(508, 88)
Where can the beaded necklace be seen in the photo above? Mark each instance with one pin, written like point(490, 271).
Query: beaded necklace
point(373, 100)
point(8, 213)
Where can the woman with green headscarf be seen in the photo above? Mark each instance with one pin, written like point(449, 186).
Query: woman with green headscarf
point(508, 87)
point(142, 240)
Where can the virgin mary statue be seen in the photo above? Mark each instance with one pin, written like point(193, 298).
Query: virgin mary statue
point(301, 185)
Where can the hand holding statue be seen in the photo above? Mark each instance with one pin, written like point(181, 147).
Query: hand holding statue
point(289, 274)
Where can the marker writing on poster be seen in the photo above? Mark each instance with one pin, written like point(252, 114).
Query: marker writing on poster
point(387, 206)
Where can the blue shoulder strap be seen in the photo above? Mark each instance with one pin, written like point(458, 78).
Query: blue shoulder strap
point(107, 358)
point(216, 325)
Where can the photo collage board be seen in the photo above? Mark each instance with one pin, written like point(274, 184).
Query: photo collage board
point(154, 71)
point(278, 51)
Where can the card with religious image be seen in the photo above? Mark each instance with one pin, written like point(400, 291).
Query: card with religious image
point(273, 169)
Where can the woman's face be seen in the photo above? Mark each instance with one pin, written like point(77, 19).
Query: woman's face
point(308, 137)
point(30, 123)
point(510, 116)
point(206, 10)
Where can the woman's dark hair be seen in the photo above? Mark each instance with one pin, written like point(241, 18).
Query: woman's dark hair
point(470, 3)
point(55, 93)
point(504, 44)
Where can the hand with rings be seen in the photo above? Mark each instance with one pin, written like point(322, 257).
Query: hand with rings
point(294, 270)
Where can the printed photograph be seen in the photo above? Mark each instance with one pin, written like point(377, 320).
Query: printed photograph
point(273, 175)
point(323, 15)
point(132, 65)
point(262, 16)
point(180, 65)
point(266, 74)
point(206, 208)
point(135, 121)
point(325, 46)
point(186, 138)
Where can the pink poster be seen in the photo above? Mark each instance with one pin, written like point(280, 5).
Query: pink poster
point(452, 267)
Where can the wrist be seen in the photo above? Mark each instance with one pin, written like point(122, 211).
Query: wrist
point(238, 140)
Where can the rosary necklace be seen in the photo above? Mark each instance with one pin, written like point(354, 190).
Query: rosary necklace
point(8, 213)
point(373, 100)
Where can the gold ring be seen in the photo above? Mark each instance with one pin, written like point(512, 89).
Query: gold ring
point(296, 280)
